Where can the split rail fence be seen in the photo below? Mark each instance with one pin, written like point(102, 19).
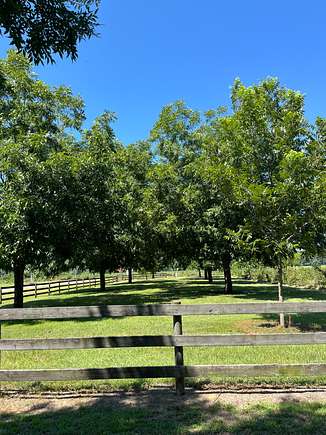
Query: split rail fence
point(66, 285)
point(177, 340)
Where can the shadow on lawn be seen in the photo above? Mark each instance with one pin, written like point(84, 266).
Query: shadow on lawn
point(160, 412)
point(160, 292)
point(169, 290)
point(154, 292)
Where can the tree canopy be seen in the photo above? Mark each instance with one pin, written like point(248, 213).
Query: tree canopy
point(42, 29)
point(34, 165)
point(211, 188)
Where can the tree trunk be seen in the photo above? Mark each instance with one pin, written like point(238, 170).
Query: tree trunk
point(129, 275)
point(102, 278)
point(153, 274)
point(209, 275)
point(206, 274)
point(19, 269)
point(323, 272)
point(280, 289)
point(199, 273)
point(228, 287)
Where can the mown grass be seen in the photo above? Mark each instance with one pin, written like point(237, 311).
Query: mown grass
point(190, 291)
point(168, 417)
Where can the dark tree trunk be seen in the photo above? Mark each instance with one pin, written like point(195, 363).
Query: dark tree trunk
point(210, 275)
point(228, 287)
point(199, 273)
point(102, 278)
point(153, 274)
point(129, 275)
point(19, 269)
point(206, 273)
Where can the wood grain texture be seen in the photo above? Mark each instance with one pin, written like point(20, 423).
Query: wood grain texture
point(163, 341)
point(239, 370)
point(159, 310)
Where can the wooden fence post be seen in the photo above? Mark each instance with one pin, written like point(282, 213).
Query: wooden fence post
point(49, 290)
point(59, 287)
point(178, 356)
point(35, 290)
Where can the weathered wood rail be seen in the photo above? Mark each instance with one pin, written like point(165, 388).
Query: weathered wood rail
point(177, 340)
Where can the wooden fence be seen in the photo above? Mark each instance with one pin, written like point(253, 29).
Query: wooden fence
point(66, 285)
point(176, 340)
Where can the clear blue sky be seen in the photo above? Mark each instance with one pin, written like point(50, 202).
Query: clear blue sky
point(152, 52)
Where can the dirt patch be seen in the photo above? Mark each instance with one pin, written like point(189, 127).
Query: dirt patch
point(260, 326)
point(162, 398)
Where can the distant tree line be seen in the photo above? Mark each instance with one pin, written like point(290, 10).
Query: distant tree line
point(237, 184)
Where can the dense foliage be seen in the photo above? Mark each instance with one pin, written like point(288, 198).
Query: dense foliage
point(249, 183)
point(44, 28)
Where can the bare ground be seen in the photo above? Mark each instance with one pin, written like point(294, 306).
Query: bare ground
point(13, 403)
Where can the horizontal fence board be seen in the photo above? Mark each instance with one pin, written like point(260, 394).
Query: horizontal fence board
point(164, 372)
point(241, 370)
point(162, 340)
point(159, 310)
point(84, 374)
point(86, 342)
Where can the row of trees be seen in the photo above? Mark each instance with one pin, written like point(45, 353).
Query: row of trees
point(210, 188)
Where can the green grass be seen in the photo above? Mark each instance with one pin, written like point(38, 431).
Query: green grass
point(191, 291)
point(169, 416)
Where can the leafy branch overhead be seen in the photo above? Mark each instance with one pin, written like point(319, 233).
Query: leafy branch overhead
point(42, 29)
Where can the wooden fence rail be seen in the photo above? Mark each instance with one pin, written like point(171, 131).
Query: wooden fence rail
point(66, 285)
point(177, 340)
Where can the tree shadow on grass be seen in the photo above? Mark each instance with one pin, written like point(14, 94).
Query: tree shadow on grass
point(140, 293)
point(161, 412)
point(167, 291)
point(170, 290)
point(264, 292)
point(302, 322)
point(156, 292)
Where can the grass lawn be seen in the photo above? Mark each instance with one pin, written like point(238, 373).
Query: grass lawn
point(192, 291)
